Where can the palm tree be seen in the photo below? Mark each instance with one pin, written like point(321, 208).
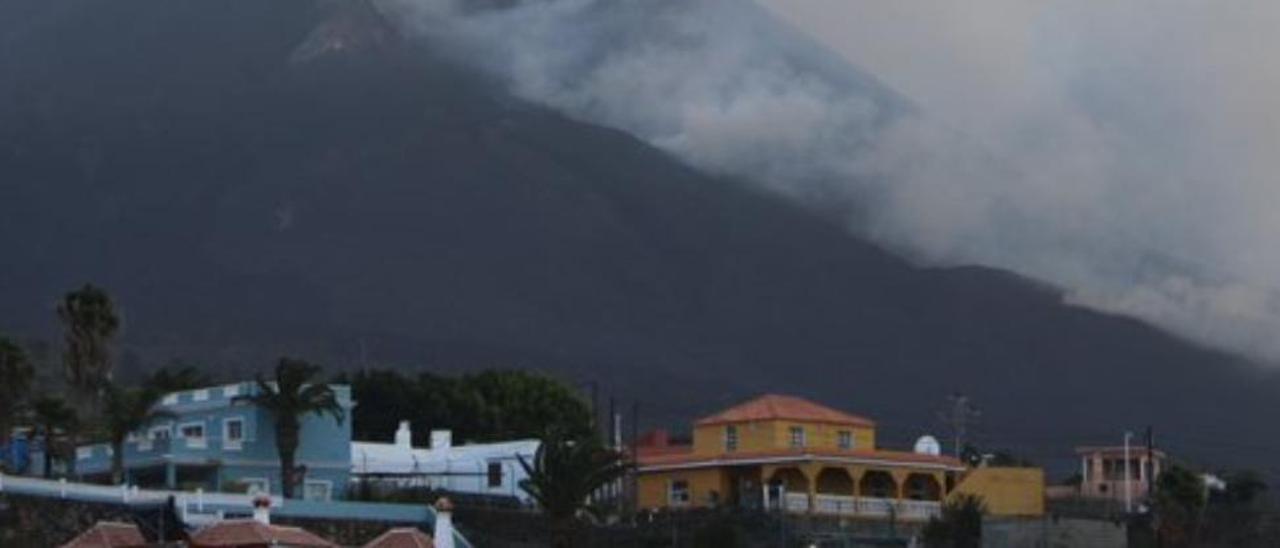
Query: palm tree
point(564, 473)
point(15, 383)
point(291, 395)
point(90, 320)
point(55, 421)
point(128, 410)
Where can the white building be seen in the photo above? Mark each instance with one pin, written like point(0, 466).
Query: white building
point(486, 469)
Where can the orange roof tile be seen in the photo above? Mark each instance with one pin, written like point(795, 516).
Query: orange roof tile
point(775, 407)
point(250, 533)
point(884, 458)
point(109, 534)
point(402, 537)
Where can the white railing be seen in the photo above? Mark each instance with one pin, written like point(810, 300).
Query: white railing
point(874, 507)
point(919, 509)
point(796, 502)
point(123, 493)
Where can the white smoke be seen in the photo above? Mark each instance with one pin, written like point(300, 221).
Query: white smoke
point(1126, 152)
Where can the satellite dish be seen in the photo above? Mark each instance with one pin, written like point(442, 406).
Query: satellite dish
point(928, 445)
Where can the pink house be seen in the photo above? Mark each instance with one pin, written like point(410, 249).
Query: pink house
point(1103, 472)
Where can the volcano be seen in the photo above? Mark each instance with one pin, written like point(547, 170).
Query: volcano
point(251, 179)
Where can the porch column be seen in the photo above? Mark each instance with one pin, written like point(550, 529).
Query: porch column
point(941, 478)
point(855, 473)
point(899, 481)
point(170, 475)
point(811, 472)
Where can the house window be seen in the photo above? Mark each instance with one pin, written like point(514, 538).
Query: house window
point(193, 433)
point(730, 438)
point(232, 433)
point(495, 474)
point(797, 437)
point(845, 439)
point(317, 490)
point(679, 495)
point(161, 433)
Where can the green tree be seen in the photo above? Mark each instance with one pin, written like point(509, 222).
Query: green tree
point(15, 384)
point(177, 377)
point(55, 422)
point(1234, 514)
point(960, 525)
point(1178, 502)
point(488, 406)
point(89, 322)
point(564, 473)
point(294, 392)
point(515, 404)
point(128, 410)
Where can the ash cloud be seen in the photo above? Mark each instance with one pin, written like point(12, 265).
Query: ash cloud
point(1126, 152)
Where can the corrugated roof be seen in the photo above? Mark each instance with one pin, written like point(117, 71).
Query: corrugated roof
point(402, 537)
point(779, 407)
point(109, 534)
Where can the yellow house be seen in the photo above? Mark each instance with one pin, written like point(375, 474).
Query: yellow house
point(784, 452)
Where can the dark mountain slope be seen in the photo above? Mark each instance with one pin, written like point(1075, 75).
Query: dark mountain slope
point(370, 202)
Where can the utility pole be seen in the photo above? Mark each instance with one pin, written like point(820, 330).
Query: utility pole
point(1128, 476)
point(1151, 461)
point(633, 486)
point(959, 415)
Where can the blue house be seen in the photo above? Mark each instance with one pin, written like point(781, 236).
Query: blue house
point(217, 440)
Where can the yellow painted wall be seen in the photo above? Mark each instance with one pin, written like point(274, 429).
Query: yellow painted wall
point(1006, 491)
point(776, 435)
point(654, 487)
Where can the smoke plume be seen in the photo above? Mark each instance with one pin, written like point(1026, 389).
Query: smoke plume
point(1126, 152)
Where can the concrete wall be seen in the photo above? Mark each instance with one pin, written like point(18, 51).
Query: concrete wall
point(1006, 491)
point(1051, 533)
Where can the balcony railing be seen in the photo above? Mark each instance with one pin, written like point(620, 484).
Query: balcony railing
point(867, 507)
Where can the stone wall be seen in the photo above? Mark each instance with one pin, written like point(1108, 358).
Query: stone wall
point(38, 521)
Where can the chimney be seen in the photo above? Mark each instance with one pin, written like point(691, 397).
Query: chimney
point(441, 439)
point(443, 535)
point(404, 436)
point(262, 509)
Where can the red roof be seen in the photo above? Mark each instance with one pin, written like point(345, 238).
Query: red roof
point(250, 533)
point(883, 458)
point(109, 534)
point(778, 407)
point(402, 537)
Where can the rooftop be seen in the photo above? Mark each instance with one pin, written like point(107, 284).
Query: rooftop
point(247, 532)
point(1135, 451)
point(109, 534)
point(779, 407)
point(402, 537)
